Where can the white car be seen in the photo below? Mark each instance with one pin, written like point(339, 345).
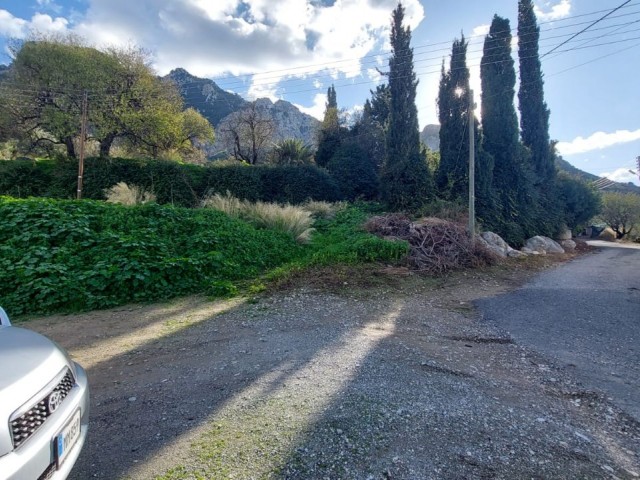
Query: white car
point(44, 406)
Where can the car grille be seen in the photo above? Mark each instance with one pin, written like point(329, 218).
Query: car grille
point(29, 422)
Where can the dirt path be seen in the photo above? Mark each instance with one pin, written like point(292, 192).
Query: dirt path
point(400, 380)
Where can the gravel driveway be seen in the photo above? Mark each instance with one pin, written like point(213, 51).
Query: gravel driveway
point(585, 314)
point(399, 380)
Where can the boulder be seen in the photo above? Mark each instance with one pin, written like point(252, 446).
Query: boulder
point(565, 234)
point(568, 245)
point(542, 244)
point(495, 243)
point(516, 254)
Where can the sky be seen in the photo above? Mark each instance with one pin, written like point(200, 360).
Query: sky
point(295, 49)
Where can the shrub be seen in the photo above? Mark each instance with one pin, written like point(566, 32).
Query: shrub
point(297, 184)
point(172, 182)
point(291, 152)
point(354, 172)
point(128, 195)
point(343, 240)
point(320, 209)
point(23, 178)
point(79, 255)
point(225, 203)
point(294, 221)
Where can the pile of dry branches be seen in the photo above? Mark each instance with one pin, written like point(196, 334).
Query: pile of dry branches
point(436, 246)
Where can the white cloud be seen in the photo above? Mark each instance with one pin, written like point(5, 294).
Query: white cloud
point(263, 86)
point(14, 27)
point(317, 109)
point(246, 36)
point(481, 30)
point(552, 11)
point(597, 141)
point(622, 175)
point(11, 26)
point(374, 75)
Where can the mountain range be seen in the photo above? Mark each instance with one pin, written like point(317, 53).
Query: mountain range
point(216, 105)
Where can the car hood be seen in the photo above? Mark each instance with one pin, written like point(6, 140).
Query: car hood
point(28, 362)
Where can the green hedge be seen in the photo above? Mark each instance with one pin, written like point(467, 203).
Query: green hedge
point(172, 183)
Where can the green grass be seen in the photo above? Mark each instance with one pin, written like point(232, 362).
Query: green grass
point(66, 256)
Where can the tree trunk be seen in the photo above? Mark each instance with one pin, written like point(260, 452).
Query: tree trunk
point(105, 144)
point(71, 148)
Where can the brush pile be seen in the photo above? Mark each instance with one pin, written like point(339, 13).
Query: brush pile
point(436, 246)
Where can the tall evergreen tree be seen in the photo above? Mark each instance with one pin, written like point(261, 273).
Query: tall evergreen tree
point(406, 182)
point(511, 178)
point(330, 133)
point(534, 114)
point(534, 124)
point(452, 175)
point(332, 100)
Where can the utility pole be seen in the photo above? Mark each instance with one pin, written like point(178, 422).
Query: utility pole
point(83, 135)
point(638, 166)
point(472, 167)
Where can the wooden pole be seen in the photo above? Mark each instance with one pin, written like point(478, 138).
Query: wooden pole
point(472, 167)
point(83, 135)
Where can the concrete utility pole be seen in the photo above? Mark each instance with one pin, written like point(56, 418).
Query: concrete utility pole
point(83, 134)
point(472, 167)
point(638, 166)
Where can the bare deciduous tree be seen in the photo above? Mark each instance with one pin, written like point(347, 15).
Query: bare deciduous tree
point(247, 133)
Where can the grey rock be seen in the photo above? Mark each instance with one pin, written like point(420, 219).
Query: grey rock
point(568, 245)
point(516, 254)
point(496, 244)
point(542, 244)
point(565, 233)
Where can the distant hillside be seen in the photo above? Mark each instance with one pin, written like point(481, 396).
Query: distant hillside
point(430, 136)
point(3, 70)
point(565, 166)
point(205, 96)
point(216, 104)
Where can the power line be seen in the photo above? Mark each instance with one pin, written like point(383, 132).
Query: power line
point(586, 28)
point(426, 62)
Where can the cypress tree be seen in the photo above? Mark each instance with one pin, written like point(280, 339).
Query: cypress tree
point(453, 111)
point(534, 114)
point(406, 182)
point(330, 133)
point(511, 178)
point(452, 175)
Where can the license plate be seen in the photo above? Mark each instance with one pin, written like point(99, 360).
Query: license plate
point(67, 438)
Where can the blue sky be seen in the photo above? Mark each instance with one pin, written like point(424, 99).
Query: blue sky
point(295, 49)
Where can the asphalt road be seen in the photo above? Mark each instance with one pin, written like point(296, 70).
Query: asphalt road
point(585, 315)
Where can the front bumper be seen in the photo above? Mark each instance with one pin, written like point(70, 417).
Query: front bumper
point(35, 459)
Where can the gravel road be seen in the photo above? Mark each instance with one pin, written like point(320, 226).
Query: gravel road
point(586, 315)
point(398, 379)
